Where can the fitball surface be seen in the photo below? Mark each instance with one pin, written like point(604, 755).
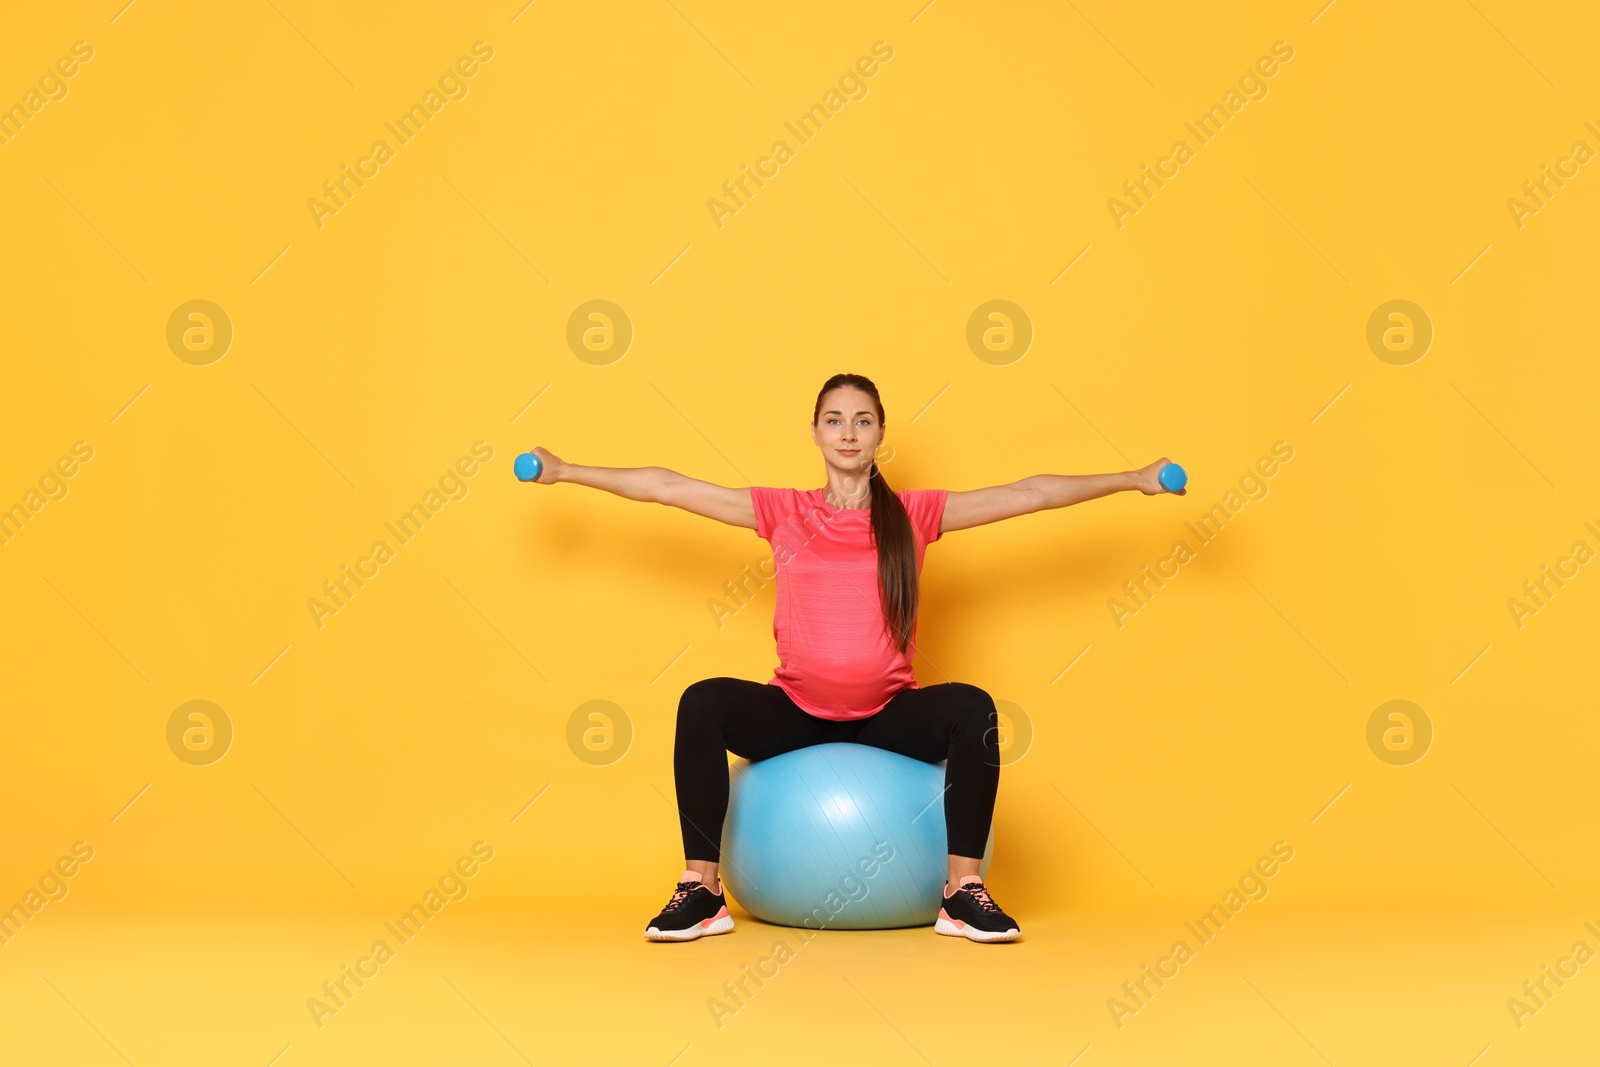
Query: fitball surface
point(527, 467)
point(804, 830)
point(1173, 477)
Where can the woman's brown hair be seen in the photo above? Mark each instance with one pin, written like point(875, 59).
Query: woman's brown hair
point(891, 529)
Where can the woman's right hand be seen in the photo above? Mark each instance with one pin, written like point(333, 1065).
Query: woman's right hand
point(1148, 479)
point(550, 466)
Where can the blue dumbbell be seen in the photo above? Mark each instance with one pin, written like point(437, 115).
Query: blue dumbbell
point(1172, 477)
point(527, 467)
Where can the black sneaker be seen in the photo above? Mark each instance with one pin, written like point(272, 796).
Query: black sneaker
point(694, 911)
point(970, 912)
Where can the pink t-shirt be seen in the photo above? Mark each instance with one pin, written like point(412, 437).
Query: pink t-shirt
point(835, 656)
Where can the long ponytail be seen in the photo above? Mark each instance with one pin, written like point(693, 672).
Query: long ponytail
point(891, 530)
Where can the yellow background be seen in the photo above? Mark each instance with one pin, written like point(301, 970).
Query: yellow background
point(372, 352)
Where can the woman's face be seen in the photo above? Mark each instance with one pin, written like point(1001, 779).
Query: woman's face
point(847, 430)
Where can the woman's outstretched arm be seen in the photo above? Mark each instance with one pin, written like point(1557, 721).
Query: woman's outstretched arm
point(1039, 492)
point(655, 484)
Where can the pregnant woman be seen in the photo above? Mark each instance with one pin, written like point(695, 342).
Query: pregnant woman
point(847, 557)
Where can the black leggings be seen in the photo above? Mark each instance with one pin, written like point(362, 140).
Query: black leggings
point(952, 721)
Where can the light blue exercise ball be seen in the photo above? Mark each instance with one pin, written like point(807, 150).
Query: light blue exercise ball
point(838, 837)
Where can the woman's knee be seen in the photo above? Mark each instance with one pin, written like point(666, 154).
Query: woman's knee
point(975, 720)
point(701, 705)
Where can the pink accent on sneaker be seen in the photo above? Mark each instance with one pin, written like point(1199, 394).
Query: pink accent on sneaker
point(965, 878)
point(692, 876)
point(721, 914)
point(946, 917)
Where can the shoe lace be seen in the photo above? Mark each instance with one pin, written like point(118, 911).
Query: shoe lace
point(681, 894)
point(977, 891)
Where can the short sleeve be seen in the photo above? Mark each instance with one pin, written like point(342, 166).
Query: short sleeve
point(926, 508)
point(772, 507)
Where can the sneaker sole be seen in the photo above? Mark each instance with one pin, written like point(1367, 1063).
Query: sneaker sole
point(950, 928)
point(724, 925)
